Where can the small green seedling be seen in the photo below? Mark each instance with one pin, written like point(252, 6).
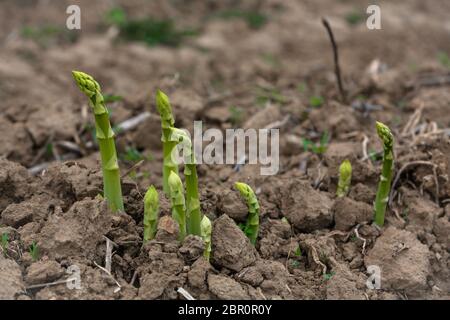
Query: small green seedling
point(309, 145)
point(328, 276)
point(345, 178)
point(47, 35)
point(316, 101)
point(236, 114)
point(151, 212)
point(148, 30)
point(168, 139)
point(206, 236)
point(5, 243)
point(354, 18)
point(176, 192)
point(384, 185)
point(34, 251)
point(375, 156)
point(254, 19)
point(132, 155)
point(251, 228)
point(105, 137)
point(298, 252)
point(116, 16)
point(264, 95)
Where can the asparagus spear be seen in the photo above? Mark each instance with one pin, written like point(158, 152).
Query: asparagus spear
point(105, 136)
point(251, 228)
point(151, 211)
point(206, 230)
point(384, 184)
point(193, 213)
point(178, 203)
point(169, 142)
point(345, 178)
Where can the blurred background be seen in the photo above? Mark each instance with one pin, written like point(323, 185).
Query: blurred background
point(219, 61)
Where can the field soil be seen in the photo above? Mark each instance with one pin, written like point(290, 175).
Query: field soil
point(258, 64)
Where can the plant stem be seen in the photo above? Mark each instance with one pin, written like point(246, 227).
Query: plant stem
point(192, 200)
point(178, 203)
point(252, 224)
point(206, 230)
point(345, 178)
point(167, 124)
point(384, 184)
point(105, 135)
point(193, 213)
point(151, 211)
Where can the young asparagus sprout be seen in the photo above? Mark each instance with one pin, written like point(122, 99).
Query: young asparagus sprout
point(251, 228)
point(105, 135)
point(151, 211)
point(345, 178)
point(384, 185)
point(178, 203)
point(169, 143)
point(193, 213)
point(206, 230)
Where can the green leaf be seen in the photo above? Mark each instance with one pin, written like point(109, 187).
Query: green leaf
point(316, 101)
point(354, 18)
point(116, 16)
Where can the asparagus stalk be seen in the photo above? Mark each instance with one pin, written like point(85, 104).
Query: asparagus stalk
point(105, 135)
point(151, 211)
point(178, 203)
point(206, 230)
point(169, 143)
point(251, 228)
point(193, 213)
point(345, 178)
point(384, 185)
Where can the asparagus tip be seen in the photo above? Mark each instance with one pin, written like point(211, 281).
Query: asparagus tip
point(385, 134)
point(161, 97)
point(86, 83)
point(151, 196)
point(174, 180)
point(345, 168)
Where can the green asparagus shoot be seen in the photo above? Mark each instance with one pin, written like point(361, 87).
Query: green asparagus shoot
point(168, 140)
point(151, 211)
point(251, 228)
point(34, 251)
point(345, 178)
point(384, 184)
point(178, 203)
point(206, 235)
point(193, 213)
point(105, 137)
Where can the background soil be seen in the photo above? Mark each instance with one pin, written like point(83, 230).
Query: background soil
point(230, 64)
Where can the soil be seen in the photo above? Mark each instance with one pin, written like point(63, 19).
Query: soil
point(230, 73)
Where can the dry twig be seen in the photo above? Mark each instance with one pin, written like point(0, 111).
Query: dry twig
point(337, 69)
